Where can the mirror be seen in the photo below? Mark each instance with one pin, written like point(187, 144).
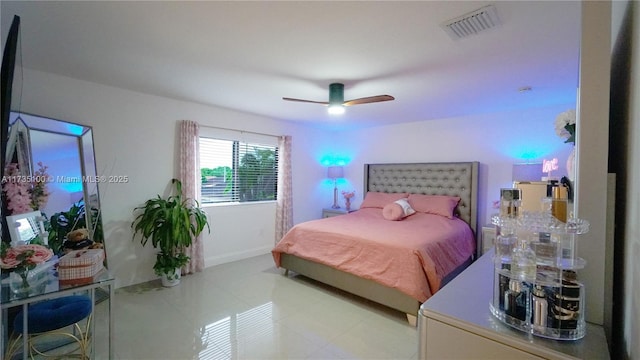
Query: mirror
point(27, 228)
point(59, 156)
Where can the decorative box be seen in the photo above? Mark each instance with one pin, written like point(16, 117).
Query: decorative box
point(80, 266)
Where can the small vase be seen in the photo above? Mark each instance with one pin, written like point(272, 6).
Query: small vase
point(347, 204)
point(27, 283)
point(571, 165)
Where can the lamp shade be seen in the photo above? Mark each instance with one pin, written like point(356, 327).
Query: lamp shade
point(335, 172)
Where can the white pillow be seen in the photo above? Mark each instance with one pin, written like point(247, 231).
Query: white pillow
point(406, 208)
point(397, 210)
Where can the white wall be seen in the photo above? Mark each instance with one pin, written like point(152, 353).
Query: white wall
point(135, 135)
point(497, 141)
point(592, 137)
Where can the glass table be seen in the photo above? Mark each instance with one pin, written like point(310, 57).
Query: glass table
point(104, 279)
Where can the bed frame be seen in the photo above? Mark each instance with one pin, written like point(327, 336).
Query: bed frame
point(452, 179)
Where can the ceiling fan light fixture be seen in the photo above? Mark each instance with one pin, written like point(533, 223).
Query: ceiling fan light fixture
point(336, 109)
point(336, 103)
point(336, 94)
point(336, 99)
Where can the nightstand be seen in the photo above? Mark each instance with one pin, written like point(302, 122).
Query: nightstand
point(329, 212)
point(488, 237)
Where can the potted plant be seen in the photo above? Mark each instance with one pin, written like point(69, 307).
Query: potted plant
point(170, 224)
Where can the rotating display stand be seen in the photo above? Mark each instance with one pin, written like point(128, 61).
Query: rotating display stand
point(535, 274)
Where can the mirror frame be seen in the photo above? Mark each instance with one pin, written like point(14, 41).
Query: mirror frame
point(6, 88)
point(19, 144)
point(21, 124)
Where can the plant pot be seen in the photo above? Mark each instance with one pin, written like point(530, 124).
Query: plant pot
point(169, 280)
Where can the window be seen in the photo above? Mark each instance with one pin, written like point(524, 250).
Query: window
point(234, 170)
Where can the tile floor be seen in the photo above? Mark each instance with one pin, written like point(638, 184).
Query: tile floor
point(249, 310)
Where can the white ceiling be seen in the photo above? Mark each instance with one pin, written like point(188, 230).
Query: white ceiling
point(246, 56)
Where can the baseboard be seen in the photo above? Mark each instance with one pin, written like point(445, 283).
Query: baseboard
point(235, 256)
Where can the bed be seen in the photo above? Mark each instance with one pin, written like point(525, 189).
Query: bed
point(395, 276)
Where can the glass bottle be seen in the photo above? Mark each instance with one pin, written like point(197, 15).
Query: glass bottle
point(510, 202)
point(559, 203)
point(546, 248)
point(540, 307)
point(515, 300)
point(523, 262)
point(505, 243)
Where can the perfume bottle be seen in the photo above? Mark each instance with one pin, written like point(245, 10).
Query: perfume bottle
point(523, 262)
point(546, 248)
point(505, 242)
point(515, 300)
point(539, 307)
point(559, 202)
point(565, 312)
point(510, 201)
point(503, 287)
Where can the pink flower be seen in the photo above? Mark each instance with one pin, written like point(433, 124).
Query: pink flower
point(17, 190)
point(24, 256)
point(39, 194)
point(348, 195)
point(25, 193)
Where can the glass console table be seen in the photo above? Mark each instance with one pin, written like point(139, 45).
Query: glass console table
point(104, 279)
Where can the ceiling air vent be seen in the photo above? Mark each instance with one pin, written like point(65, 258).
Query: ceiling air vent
point(472, 23)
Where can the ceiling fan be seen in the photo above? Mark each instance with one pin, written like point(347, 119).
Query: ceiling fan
point(336, 101)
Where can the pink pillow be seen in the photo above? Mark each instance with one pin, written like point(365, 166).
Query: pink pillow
point(379, 200)
point(397, 210)
point(434, 204)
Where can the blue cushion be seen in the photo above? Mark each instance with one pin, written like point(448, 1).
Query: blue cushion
point(54, 314)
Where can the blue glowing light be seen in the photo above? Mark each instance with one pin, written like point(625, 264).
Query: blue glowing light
point(527, 150)
point(334, 160)
point(71, 187)
point(75, 129)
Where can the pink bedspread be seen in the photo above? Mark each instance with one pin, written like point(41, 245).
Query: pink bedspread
point(412, 255)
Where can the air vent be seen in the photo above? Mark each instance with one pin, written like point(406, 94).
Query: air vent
point(472, 23)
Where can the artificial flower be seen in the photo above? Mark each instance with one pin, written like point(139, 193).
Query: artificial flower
point(25, 256)
point(348, 195)
point(566, 126)
point(16, 190)
point(39, 194)
point(25, 193)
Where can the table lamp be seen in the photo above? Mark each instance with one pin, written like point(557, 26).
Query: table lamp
point(335, 172)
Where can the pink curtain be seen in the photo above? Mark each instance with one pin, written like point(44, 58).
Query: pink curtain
point(189, 169)
point(284, 205)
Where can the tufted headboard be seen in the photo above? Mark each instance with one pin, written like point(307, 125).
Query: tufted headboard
point(452, 179)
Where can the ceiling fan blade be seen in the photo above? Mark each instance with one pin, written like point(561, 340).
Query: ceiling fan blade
point(367, 100)
point(306, 101)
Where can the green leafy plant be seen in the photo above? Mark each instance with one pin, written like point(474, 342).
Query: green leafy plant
point(62, 223)
point(170, 224)
point(258, 175)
